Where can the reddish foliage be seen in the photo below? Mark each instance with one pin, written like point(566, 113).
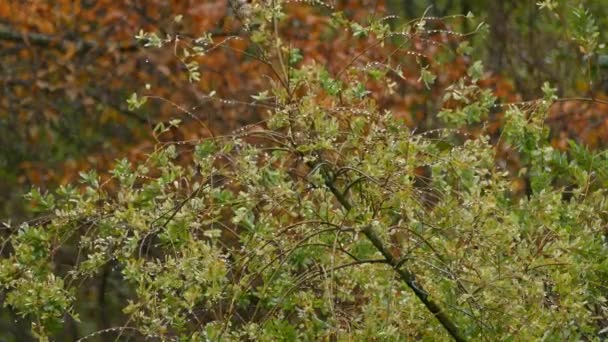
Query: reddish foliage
point(77, 62)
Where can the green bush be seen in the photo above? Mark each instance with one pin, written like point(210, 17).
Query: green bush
point(330, 220)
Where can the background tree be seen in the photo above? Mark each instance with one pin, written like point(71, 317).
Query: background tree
point(63, 111)
point(68, 67)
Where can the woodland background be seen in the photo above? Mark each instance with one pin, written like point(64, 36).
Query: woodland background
point(67, 68)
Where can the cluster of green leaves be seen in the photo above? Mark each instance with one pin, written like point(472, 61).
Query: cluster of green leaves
point(533, 41)
point(333, 220)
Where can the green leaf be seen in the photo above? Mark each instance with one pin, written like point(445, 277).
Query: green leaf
point(205, 149)
point(427, 77)
point(475, 71)
point(261, 96)
point(134, 102)
point(358, 30)
point(295, 56)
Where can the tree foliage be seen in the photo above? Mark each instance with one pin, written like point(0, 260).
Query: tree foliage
point(331, 218)
point(67, 67)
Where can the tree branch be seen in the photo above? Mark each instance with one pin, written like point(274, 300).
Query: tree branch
point(407, 276)
point(410, 279)
point(61, 43)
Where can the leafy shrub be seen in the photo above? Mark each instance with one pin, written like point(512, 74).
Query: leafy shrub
point(331, 219)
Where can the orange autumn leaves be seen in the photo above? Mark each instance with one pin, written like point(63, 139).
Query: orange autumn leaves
point(70, 65)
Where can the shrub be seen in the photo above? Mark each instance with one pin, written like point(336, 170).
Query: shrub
point(331, 219)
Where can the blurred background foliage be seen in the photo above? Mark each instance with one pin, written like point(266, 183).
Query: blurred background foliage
point(529, 45)
point(67, 68)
